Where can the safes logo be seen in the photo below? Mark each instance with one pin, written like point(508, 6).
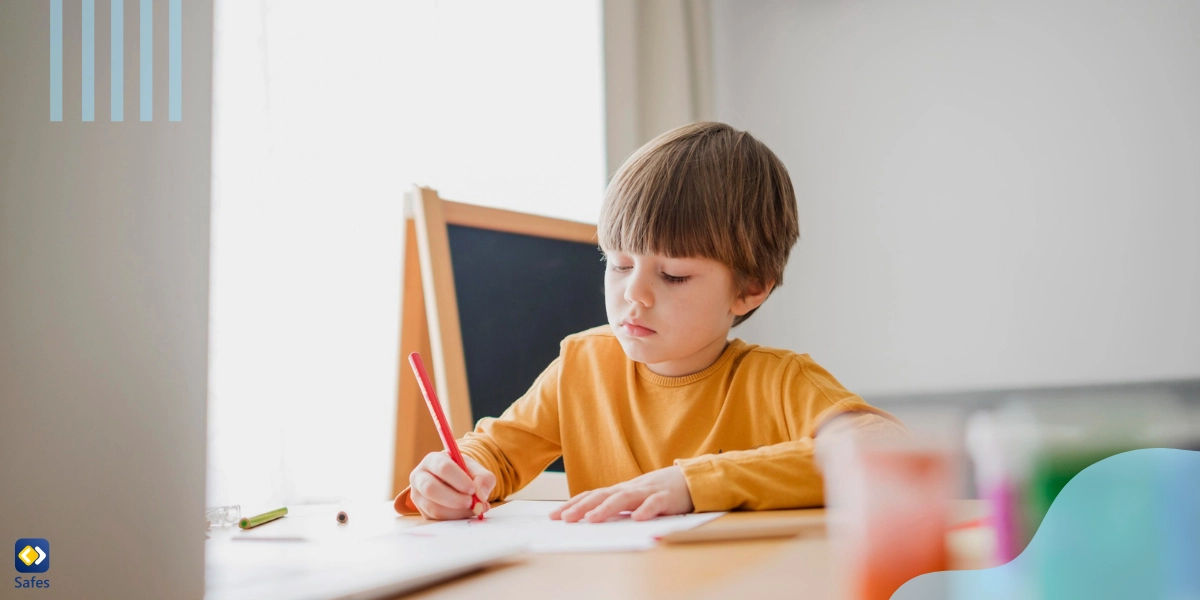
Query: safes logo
point(31, 555)
point(116, 52)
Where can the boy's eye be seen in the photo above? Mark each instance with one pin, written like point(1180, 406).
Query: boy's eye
point(619, 268)
point(674, 279)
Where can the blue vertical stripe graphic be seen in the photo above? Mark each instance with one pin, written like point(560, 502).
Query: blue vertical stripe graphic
point(146, 49)
point(117, 53)
point(56, 60)
point(88, 37)
point(176, 61)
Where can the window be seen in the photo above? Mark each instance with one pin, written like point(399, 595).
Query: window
point(325, 113)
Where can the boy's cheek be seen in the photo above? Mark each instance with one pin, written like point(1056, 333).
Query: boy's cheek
point(612, 290)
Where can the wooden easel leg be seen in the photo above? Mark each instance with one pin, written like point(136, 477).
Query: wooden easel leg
point(416, 435)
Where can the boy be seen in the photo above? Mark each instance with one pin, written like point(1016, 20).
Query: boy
point(657, 412)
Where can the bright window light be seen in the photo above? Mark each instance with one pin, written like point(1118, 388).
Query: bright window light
point(325, 113)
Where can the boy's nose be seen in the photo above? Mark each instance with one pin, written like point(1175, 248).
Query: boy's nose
point(639, 291)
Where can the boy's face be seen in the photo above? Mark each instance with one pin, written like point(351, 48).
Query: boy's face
point(673, 314)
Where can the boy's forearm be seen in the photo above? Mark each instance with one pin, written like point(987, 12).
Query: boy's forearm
point(773, 477)
point(784, 475)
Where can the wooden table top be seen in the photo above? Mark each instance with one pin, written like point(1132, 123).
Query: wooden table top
point(802, 566)
point(668, 571)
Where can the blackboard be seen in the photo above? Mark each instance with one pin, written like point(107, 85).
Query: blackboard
point(518, 297)
point(488, 294)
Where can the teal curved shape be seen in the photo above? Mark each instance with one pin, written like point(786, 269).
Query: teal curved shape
point(1127, 527)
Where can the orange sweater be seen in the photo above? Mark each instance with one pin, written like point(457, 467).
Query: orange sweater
point(741, 430)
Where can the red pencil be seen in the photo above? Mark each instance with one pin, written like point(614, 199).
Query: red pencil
point(443, 427)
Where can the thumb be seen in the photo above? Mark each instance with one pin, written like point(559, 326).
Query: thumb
point(485, 482)
point(474, 469)
point(484, 479)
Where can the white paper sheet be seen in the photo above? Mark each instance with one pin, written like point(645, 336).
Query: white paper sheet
point(530, 521)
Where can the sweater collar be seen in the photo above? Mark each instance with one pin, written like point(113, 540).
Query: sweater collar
point(731, 349)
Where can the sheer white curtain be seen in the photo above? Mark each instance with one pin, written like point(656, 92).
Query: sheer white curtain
point(324, 114)
point(658, 63)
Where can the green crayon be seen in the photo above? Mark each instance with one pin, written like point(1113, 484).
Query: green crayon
point(255, 521)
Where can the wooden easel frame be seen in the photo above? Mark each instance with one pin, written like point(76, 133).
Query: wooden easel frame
point(429, 321)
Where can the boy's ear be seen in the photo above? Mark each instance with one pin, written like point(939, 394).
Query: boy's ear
point(752, 297)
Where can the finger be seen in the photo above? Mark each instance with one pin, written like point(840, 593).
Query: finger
point(623, 500)
point(441, 513)
point(433, 510)
point(653, 506)
point(571, 512)
point(436, 491)
point(437, 512)
point(485, 482)
point(593, 499)
point(557, 512)
point(447, 470)
point(481, 505)
point(415, 497)
point(576, 499)
point(473, 466)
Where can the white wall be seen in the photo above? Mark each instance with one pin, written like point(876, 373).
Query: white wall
point(991, 194)
point(104, 249)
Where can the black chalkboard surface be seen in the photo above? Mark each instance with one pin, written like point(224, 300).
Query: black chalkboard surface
point(518, 297)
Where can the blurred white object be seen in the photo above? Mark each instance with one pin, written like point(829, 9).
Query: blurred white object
point(223, 516)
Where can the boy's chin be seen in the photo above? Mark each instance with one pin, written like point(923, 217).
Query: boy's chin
point(636, 350)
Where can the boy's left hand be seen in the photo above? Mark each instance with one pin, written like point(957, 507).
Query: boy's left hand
point(657, 493)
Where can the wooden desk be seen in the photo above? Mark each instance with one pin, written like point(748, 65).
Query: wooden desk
point(796, 567)
point(668, 571)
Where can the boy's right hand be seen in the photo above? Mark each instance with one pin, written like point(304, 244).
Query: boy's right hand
point(441, 490)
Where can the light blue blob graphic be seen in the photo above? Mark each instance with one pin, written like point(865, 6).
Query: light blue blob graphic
point(1180, 519)
point(176, 60)
point(56, 59)
point(1126, 527)
point(146, 51)
point(117, 60)
point(88, 37)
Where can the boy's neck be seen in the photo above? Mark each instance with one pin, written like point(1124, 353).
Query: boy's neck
point(692, 364)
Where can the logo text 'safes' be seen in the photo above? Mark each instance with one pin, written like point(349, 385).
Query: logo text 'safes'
point(31, 555)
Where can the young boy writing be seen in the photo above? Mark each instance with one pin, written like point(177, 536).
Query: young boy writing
point(657, 412)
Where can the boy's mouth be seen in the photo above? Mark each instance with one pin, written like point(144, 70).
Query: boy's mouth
point(636, 329)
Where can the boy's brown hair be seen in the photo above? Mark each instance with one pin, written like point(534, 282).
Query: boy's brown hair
point(705, 189)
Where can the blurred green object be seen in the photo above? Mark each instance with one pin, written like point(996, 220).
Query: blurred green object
point(266, 517)
point(1052, 469)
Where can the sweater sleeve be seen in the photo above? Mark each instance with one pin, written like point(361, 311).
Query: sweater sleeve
point(518, 445)
point(784, 475)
